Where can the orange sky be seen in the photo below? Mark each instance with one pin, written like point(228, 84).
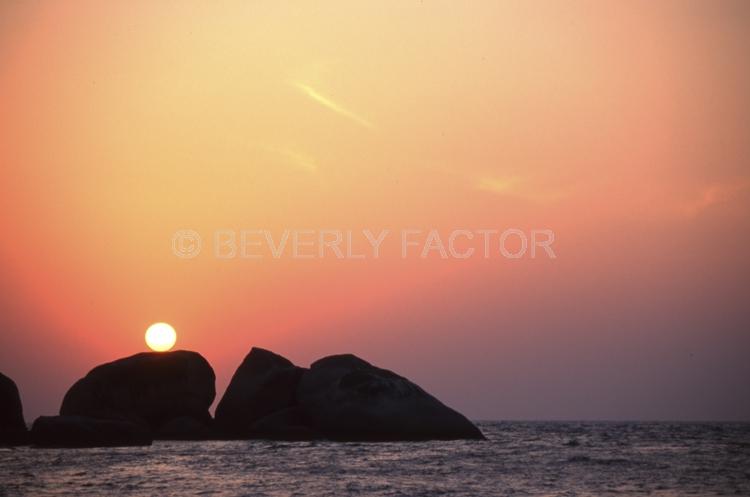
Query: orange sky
point(622, 126)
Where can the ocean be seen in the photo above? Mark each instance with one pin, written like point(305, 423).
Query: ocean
point(519, 459)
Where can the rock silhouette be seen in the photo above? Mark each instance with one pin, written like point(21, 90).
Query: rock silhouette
point(185, 428)
point(339, 397)
point(155, 395)
point(347, 398)
point(264, 383)
point(12, 426)
point(81, 431)
point(164, 392)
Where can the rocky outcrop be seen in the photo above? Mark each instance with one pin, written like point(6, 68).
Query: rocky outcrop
point(264, 384)
point(347, 398)
point(339, 397)
point(161, 391)
point(12, 426)
point(81, 431)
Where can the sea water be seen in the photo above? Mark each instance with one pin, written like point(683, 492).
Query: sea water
point(519, 458)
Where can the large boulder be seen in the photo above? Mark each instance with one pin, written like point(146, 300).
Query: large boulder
point(339, 397)
point(12, 426)
point(152, 389)
point(81, 431)
point(264, 383)
point(347, 398)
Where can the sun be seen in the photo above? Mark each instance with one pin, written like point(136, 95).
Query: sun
point(160, 337)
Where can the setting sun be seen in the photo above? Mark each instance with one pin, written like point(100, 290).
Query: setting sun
point(160, 337)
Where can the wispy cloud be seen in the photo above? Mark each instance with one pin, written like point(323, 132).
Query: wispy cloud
point(292, 156)
point(712, 195)
point(331, 105)
point(300, 160)
point(497, 185)
point(516, 186)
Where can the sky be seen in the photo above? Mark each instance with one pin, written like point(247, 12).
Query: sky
point(621, 127)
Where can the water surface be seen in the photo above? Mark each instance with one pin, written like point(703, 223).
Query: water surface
point(520, 458)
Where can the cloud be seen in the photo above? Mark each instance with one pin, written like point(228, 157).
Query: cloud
point(330, 104)
point(295, 158)
point(515, 186)
point(711, 195)
point(300, 160)
point(497, 185)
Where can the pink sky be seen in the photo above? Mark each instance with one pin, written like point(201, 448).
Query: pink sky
point(622, 127)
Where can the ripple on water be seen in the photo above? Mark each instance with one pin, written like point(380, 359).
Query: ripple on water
point(518, 458)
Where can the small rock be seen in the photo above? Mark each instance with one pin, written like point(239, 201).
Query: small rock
point(184, 428)
point(81, 431)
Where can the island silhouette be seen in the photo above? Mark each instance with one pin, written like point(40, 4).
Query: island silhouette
point(166, 396)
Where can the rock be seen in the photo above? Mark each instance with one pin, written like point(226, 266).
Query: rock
point(185, 428)
point(340, 397)
point(288, 424)
point(81, 431)
point(149, 389)
point(264, 383)
point(12, 426)
point(347, 398)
